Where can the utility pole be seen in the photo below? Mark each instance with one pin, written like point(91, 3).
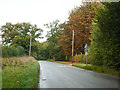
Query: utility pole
point(86, 51)
point(73, 47)
point(30, 46)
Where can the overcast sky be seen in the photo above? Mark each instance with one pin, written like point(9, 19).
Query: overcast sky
point(38, 12)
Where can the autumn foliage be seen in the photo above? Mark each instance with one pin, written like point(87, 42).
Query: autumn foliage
point(80, 20)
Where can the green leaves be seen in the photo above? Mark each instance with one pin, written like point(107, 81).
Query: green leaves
point(12, 51)
point(10, 31)
point(52, 40)
point(105, 43)
point(19, 34)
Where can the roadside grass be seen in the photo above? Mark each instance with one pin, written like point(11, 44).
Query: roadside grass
point(24, 75)
point(16, 61)
point(100, 69)
point(70, 63)
point(63, 62)
point(51, 60)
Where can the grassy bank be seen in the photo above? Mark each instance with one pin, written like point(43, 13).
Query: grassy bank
point(100, 69)
point(21, 73)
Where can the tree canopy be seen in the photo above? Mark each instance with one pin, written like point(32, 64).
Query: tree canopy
point(105, 36)
point(19, 34)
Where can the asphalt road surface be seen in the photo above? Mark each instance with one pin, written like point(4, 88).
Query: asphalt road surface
point(56, 75)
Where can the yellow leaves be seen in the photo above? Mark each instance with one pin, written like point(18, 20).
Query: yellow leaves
point(82, 23)
point(87, 27)
point(79, 20)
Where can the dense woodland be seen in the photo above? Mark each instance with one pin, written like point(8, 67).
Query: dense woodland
point(95, 24)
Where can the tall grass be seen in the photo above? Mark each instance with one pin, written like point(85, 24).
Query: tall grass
point(16, 61)
point(22, 72)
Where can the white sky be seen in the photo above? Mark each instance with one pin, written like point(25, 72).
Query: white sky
point(38, 12)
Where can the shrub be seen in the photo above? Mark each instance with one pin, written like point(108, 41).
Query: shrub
point(66, 58)
point(77, 58)
point(82, 58)
point(88, 58)
point(20, 51)
point(5, 51)
point(11, 51)
point(70, 58)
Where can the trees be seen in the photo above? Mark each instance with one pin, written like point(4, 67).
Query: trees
point(80, 20)
point(66, 39)
point(43, 51)
point(19, 30)
point(52, 39)
point(19, 34)
point(105, 36)
point(8, 33)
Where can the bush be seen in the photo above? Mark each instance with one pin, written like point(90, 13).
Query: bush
point(77, 58)
point(34, 54)
point(82, 58)
point(20, 51)
point(51, 60)
point(70, 58)
point(66, 58)
point(5, 51)
point(11, 51)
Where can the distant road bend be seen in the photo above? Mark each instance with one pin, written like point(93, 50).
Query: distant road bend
point(56, 75)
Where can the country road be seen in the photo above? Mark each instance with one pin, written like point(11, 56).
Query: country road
point(56, 75)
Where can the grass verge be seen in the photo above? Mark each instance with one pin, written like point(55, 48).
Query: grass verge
point(21, 76)
point(100, 69)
